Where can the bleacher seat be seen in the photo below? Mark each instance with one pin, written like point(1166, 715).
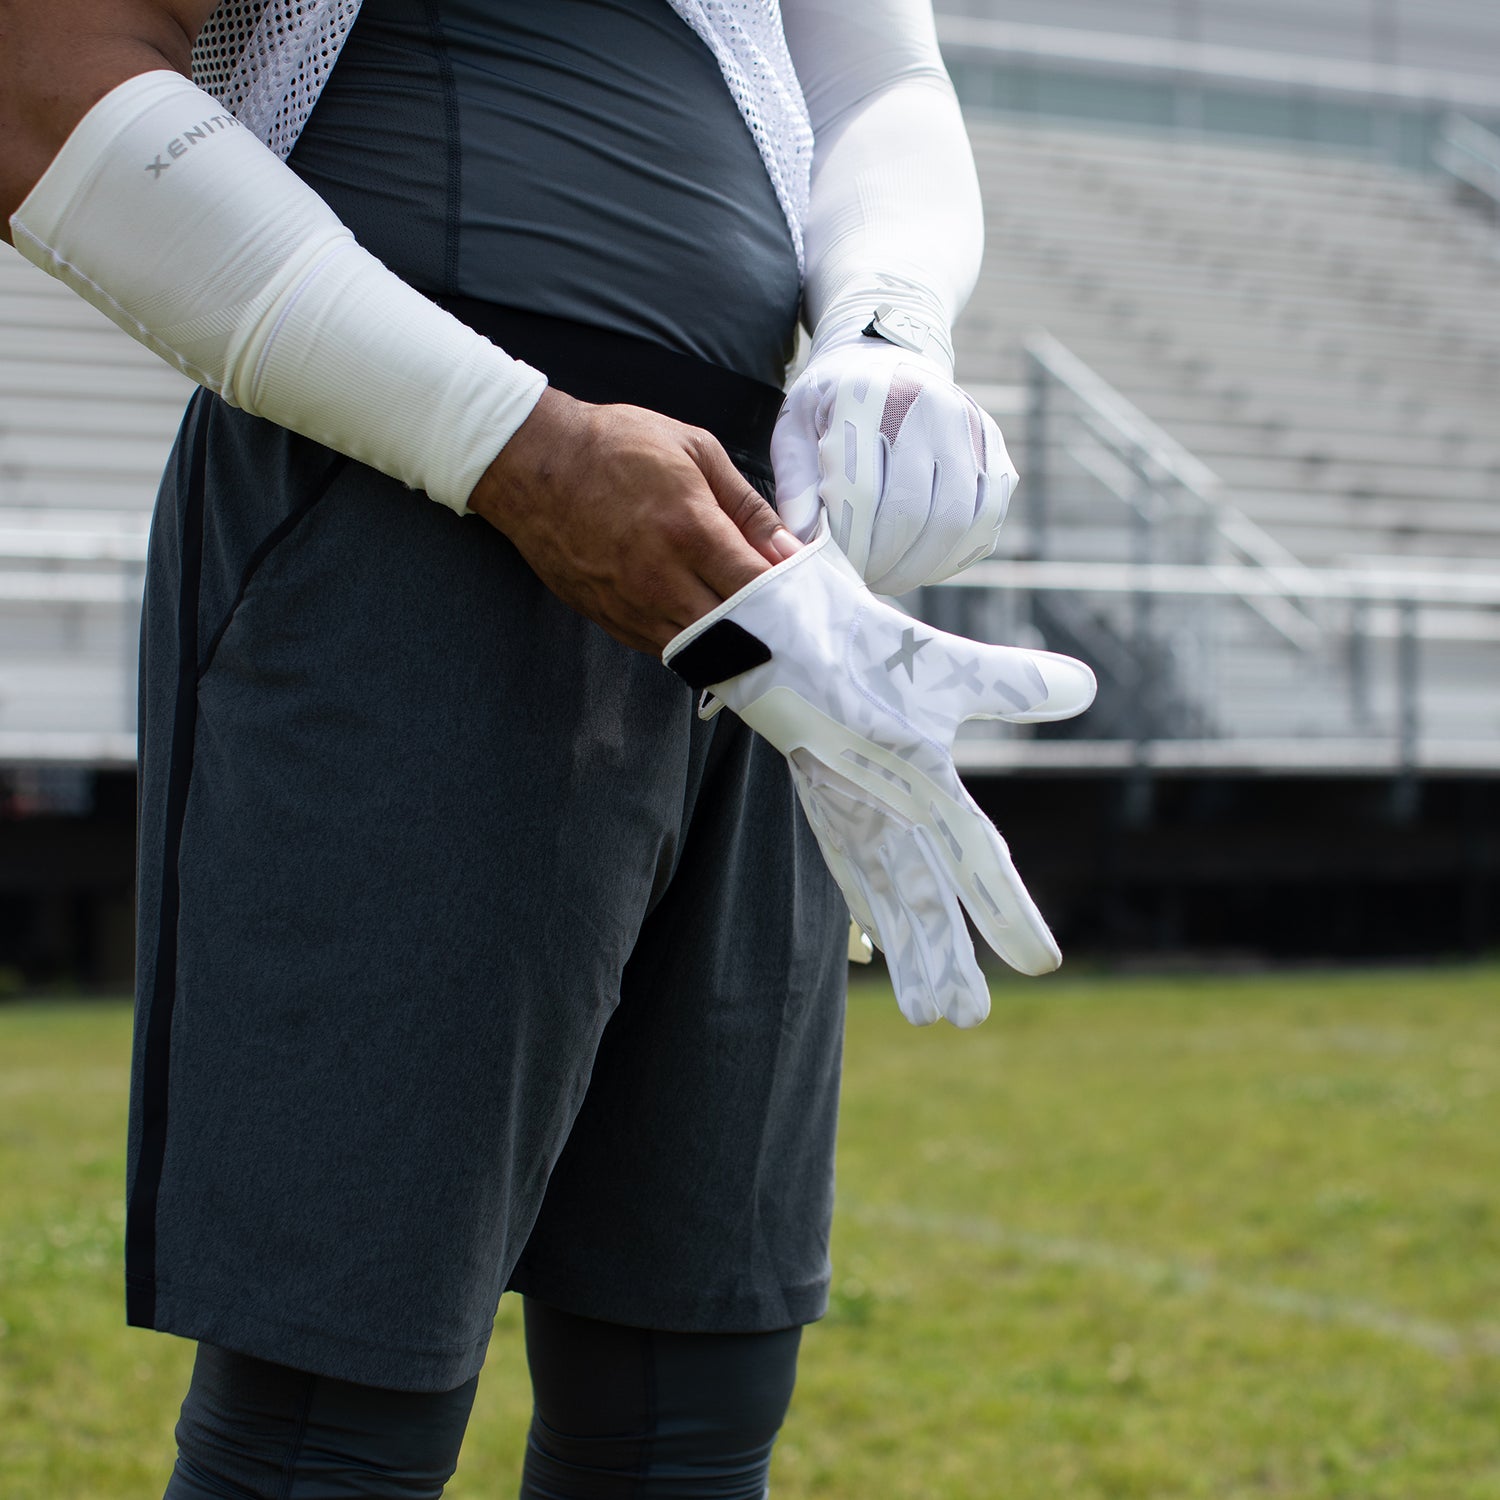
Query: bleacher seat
point(1322, 332)
point(87, 417)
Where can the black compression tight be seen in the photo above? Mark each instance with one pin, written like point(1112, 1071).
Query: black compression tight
point(631, 1414)
point(620, 1414)
point(251, 1430)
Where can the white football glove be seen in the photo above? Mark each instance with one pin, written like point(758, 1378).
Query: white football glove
point(913, 475)
point(864, 702)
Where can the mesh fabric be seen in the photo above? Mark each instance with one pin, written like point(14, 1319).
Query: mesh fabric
point(747, 39)
point(266, 61)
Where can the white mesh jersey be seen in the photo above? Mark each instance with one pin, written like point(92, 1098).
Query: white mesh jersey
point(267, 62)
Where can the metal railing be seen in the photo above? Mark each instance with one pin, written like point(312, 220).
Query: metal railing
point(1179, 506)
point(1214, 645)
point(1394, 643)
point(1470, 154)
point(70, 601)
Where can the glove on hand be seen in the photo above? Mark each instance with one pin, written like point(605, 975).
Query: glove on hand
point(913, 475)
point(864, 702)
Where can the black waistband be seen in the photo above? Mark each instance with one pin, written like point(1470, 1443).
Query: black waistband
point(596, 364)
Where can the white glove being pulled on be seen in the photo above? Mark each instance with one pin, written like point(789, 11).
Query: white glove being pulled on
point(864, 702)
point(913, 475)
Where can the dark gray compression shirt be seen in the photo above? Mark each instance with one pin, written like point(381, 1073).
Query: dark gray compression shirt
point(581, 158)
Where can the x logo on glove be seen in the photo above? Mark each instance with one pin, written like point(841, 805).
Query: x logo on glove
point(809, 658)
point(905, 654)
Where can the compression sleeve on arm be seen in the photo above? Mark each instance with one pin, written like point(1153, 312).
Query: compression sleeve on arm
point(178, 224)
point(895, 213)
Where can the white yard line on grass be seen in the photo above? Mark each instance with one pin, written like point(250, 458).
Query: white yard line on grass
point(1419, 1333)
point(64, 1081)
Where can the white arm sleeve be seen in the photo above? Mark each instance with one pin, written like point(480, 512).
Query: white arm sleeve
point(178, 224)
point(895, 213)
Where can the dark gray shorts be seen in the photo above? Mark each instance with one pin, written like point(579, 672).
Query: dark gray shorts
point(469, 957)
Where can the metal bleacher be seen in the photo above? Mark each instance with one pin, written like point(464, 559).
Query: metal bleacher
point(1260, 446)
point(86, 419)
point(1254, 393)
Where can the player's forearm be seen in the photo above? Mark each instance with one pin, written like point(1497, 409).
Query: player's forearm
point(895, 212)
point(168, 216)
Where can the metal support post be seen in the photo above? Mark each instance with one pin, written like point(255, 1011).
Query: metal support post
point(1139, 791)
point(1036, 478)
point(1361, 715)
point(1405, 790)
point(134, 589)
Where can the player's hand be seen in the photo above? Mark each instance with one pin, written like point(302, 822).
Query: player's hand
point(638, 522)
point(913, 475)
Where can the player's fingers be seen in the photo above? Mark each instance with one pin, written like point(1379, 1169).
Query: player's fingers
point(753, 516)
point(690, 601)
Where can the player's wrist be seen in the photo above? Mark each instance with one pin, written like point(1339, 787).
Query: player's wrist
point(888, 309)
point(553, 435)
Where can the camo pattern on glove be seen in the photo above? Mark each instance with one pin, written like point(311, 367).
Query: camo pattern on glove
point(914, 477)
point(865, 701)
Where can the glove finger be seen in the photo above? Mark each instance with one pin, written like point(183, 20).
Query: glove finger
point(799, 511)
point(794, 461)
point(993, 503)
point(932, 961)
point(964, 679)
point(902, 958)
point(1026, 687)
point(830, 815)
point(855, 889)
point(862, 906)
point(959, 986)
point(993, 487)
point(881, 893)
point(915, 520)
point(977, 860)
point(968, 848)
point(943, 504)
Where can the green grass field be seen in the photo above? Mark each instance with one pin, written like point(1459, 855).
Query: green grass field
point(1151, 1237)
